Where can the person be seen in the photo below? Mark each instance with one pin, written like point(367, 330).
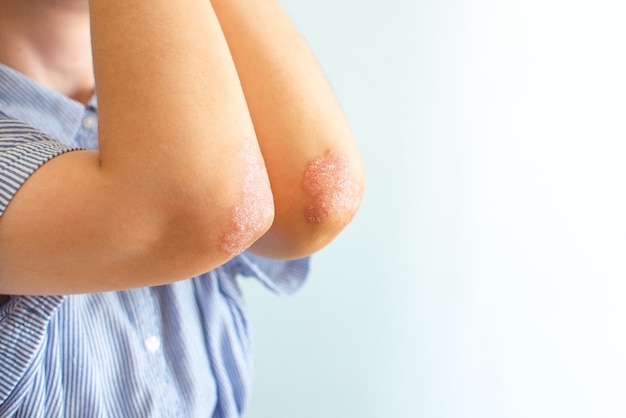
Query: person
point(213, 149)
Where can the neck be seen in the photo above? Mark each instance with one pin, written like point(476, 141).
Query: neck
point(48, 41)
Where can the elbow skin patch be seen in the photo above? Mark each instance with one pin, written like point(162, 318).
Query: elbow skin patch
point(332, 188)
point(252, 215)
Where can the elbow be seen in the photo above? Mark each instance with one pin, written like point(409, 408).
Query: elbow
point(326, 219)
point(233, 225)
point(246, 210)
point(211, 220)
point(333, 186)
point(246, 220)
point(185, 236)
point(328, 213)
point(334, 197)
point(330, 196)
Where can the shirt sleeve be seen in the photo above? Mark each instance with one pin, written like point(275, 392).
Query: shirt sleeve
point(24, 319)
point(284, 277)
point(22, 151)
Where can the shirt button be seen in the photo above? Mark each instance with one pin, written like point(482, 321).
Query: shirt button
point(89, 122)
point(152, 343)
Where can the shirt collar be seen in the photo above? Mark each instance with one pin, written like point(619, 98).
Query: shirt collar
point(51, 112)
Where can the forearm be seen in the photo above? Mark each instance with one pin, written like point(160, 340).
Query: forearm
point(173, 117)
point(167, 87)
point(299, 124)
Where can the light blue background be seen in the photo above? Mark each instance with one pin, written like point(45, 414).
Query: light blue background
point(484, 275)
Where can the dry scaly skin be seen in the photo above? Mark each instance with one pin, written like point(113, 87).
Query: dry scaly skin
point(257, 207)
point(334, 191)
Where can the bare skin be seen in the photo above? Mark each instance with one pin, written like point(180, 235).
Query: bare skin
point(153, 205)
point(158, 202)
point(49, 42)
point(296, 118)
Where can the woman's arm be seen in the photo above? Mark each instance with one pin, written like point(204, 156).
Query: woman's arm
point(178, 186)
point(314, 166)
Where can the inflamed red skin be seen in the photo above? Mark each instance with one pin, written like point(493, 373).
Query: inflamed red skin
point(333, 190)
point(256, 211)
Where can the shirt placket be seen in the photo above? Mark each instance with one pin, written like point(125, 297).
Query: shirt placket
point(87, 136)
point(147, 322)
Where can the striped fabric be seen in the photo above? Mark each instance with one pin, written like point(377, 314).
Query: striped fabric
point(180, 350)
point(22, 151)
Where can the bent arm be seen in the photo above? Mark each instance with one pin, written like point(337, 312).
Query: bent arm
point(314, 166)
point(163, 198)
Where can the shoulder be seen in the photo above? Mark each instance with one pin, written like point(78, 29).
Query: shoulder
point(23, 149)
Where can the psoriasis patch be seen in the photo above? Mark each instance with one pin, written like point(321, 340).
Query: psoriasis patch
point(257, 206)
point(333, 189)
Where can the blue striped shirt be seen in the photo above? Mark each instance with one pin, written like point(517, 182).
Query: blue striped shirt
point(179, 350)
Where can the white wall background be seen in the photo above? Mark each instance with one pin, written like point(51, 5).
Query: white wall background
point(484, 275)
